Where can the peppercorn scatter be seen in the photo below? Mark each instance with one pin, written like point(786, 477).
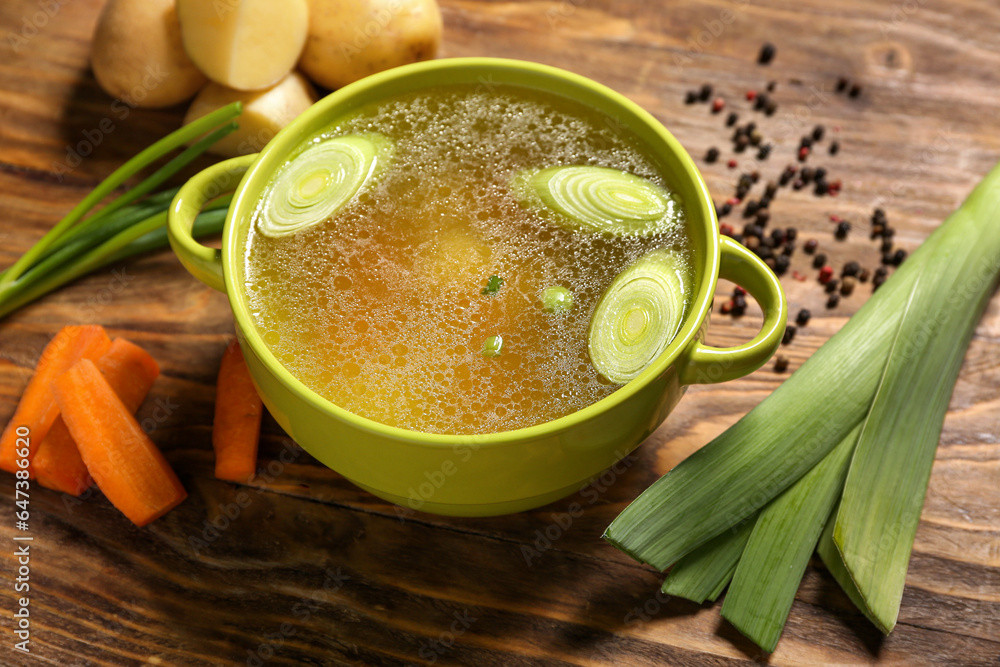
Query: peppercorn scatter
point(806, 166)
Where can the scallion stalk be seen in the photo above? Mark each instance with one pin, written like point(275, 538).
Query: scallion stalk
point(129, 224)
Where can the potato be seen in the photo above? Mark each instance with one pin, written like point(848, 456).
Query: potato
point(244, 44)
point(350, 39)
point(137, 54)
point(264, 112)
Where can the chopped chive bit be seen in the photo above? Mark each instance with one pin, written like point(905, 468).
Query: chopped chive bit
point(557, 299)
point(493, 285)
point(492, 346)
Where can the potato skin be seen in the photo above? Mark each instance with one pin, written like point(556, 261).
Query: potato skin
point(264, 112)
point(350, 39)
point(137, 54)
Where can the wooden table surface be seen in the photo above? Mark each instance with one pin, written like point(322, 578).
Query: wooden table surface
point(315, 571)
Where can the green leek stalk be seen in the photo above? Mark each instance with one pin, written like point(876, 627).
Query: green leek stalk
point(888, 372)
point(783, 539)
point(704, 573)
point(879, 513)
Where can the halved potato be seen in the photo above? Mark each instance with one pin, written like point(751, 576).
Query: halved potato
point(244, 44)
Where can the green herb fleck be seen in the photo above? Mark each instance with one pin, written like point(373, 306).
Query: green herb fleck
point(493, 285)
point(557, 299)
point(492, 346)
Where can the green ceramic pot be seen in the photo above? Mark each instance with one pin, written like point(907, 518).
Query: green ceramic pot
point(482, 475)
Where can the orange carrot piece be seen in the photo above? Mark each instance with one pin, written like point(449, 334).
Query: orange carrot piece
point(37, 410)
point(238, 409)
point(127, 466)
point(130, 371)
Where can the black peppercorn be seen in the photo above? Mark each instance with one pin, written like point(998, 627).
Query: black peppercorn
point(789, 334)
point(732, 118)
point(832, 285)
point(781, 264)
point(802, 318)
point(766, 54)
point(833, 301)
point(712, 155)
point(817, 133)
point(810, 248)
point(780, 364)
point(843, 228)
point(898, 257)
point(850, 269)
point(705, 92)
point(819, 261)
point(791, 233)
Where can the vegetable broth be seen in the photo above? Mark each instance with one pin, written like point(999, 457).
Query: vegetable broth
point(381, 309)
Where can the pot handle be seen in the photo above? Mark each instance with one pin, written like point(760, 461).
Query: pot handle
point(707, 364)
point(202, 262)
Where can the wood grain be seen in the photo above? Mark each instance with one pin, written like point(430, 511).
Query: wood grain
point(304, 568)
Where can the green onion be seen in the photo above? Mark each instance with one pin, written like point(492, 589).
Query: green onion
point(321, 180)
point(492, 346)
point(638, 315)
point(147, 235)
point(599, 199)
point(493, 285)
point(172, 141)
point(881, 387)
point(703, 574)
point(557, 300)
point(783, 538)
point(130, 224)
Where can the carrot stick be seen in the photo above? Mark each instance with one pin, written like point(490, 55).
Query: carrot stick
point(37, 410)
point(130, 371)
point(238, 409)
point(124, 462)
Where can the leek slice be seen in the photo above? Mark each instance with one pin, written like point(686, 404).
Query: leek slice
point(638, 315)
point(322, 180)
point(599, 199)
